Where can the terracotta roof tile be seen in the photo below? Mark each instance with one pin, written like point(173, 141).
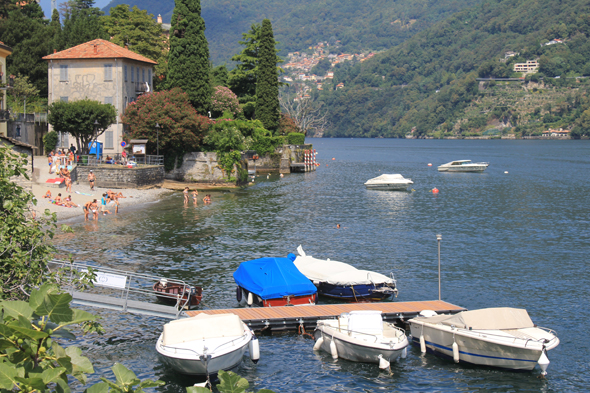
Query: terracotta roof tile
point(98, 49)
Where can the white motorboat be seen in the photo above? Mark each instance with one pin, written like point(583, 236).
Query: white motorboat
point(205, 344)
point(342, 281)
point(463, 166)
point(391, 182)
point(361, 336)
point(498, 337)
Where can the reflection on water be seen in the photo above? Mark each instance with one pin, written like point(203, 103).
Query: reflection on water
point(519, 239)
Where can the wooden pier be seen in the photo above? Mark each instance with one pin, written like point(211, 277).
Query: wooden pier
point(291, 318)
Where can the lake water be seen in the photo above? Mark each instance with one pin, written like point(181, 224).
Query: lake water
point(518, 239)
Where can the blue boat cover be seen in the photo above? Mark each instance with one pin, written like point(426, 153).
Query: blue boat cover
point(272, 278)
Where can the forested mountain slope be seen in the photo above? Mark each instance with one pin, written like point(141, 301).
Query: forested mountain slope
point(429, 80)
point(359, 26)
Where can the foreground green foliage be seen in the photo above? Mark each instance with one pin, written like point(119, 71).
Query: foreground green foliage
point(229, 382)
point(25, 244)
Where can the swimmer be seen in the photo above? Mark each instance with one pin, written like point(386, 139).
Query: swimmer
point(86, 210)
point(195, 195)
point(94, 209)
point(185, 192)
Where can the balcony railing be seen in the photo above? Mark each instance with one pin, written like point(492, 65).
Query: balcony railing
point(142, 87)
point(117, 159)
point(4, 115)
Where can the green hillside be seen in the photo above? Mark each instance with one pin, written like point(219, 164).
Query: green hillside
point(371, 25)
point(428, 83)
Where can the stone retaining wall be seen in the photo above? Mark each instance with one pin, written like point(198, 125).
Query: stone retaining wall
point(118, 176)
point(198, 166)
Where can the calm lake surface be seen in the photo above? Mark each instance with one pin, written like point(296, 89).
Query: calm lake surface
point(520, 239)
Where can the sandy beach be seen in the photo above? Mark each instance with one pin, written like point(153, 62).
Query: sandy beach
point(133, 197)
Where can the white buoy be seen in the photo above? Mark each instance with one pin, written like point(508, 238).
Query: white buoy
point(543, 362)
point(506, 172)
point(404, 352)
point(333, 349)
point(455, 352)
point(429, 164)
point(318, 344)
point(383, 363)
point(250, 298)
point(422, 344)
point(254, 348)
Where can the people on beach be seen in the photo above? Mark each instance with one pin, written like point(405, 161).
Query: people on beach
point(94, 209)
point(113, 200)
point(86, 210)
point(185, 192)
point(195, 195)
point(103, 203)
point(47, 194)
point(68, 184)
point(73, 148)
point(207, 199)
point(70, 157)
point(68, 202)
point(91, 180)
point(57, 199)
point(50, 160)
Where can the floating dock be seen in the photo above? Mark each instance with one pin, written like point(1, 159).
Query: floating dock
point(288, 318)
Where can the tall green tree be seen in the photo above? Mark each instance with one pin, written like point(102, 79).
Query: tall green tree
point(26, 33)
point(78, 118)
point(81, 23)
point(188, 61)
point(142, 33)
point(267, 83)
point(242, 79)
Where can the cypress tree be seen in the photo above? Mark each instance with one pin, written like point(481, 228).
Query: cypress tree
point(188, 60)
point(267, 80)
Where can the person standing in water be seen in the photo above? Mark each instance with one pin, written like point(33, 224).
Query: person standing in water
point(195, 195)
point(185, 192)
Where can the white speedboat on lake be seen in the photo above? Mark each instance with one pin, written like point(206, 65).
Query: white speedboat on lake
point(463, 166)
point(391, 182)
point(361, 336)
point(205, 344)
point(498, 337)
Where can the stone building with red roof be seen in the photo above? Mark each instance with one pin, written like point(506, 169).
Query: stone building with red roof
point(102, 71)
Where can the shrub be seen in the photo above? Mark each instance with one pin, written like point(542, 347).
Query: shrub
point(50, 141)
point(224, 100)
point(296, 138)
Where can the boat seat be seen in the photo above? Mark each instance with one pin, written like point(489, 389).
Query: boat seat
point(366, 321)
point(202, 327)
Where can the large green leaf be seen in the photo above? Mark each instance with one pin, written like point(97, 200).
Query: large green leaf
point(231, 382)
point(100, 387)
point(8, 375)
point(62, 387)
point(63, 332)
point(197, 389)
point(35, 383)
point(148, 383)
point(52, 374)
point(80, 363)
point(124, 375)
point(15, 308)
point(80, 316)
point(57, 307)
point(30, 333)
point(38, 296)
point(5, 344)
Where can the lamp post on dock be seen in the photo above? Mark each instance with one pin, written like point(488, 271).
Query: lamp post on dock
point(438, 239)
point(157, 139)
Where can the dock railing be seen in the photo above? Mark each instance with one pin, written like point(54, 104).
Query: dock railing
point(121, 290)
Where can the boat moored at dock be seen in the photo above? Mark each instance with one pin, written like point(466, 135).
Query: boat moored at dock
point(361, 336)
point(204, 344)
point(498, 337)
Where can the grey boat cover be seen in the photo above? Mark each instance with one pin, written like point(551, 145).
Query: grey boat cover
point(336, 273)
point(499, 318)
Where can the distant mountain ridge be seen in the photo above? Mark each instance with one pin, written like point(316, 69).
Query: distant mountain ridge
point(359, 26)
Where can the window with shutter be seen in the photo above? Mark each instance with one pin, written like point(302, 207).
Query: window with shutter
point(125, 72)
point(63, 73)
point(108, 139)
point(131, 73)
point(108, 72)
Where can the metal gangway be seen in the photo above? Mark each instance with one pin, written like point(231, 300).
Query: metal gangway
point(123, 290)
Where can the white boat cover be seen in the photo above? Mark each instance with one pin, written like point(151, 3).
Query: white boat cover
point(202, 327)
point(499, 318)
point(365, 321)
point(389, 178)
point(337, 273)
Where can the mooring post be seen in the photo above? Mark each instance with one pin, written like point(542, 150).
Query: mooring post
point(439, 238)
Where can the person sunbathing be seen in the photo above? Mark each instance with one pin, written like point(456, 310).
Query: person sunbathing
point(58, 200)
point(68, 202)
point(47, 194)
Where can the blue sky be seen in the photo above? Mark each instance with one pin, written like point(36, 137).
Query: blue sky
point(46, 5)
